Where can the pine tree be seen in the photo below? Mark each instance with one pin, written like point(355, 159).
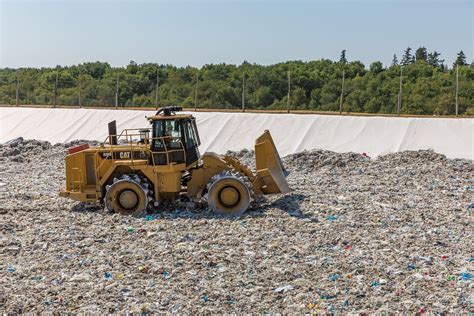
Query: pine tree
point(407, 57)
point(395, 60)
point(460, 60)
point(343, 59)
point(433, 59)
point(421, 54)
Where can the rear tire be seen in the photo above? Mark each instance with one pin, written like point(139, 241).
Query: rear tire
point(229, 193)
point(127, 197)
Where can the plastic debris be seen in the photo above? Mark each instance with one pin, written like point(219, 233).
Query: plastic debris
point(205, 298)
point(107, 276)
point(131, 230)
point(283, 288)
point(331, 217)
point(334, 277)
point(10, 269)
point(149, 217)
point(326, 296)
point(465, 276)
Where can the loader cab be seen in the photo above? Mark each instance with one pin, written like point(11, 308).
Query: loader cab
point(175, 138)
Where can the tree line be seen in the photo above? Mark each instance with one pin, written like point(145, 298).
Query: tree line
point(428, 85)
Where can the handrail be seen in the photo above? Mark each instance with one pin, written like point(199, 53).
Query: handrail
point(127, 139)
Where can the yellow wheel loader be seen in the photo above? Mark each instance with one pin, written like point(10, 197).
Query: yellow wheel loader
point(134, 171)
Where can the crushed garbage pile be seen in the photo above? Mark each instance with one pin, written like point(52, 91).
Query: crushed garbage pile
point(392, 234)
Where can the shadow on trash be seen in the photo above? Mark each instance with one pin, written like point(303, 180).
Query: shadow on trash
point(83, 207)
point(289, 203)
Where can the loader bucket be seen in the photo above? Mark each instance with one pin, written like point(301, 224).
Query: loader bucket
point(271, 174)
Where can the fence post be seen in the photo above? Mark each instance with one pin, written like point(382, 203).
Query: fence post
point(243, 92)
point(157, 87)
point(399, 105)
point(457, 88)
point(289, 92)
point(55, 90)
point(79, 88)
point(17, 95)
point(196, 92)
point(116, 93)
point(342, 92)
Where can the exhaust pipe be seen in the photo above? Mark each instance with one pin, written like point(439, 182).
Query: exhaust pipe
point(113, 133)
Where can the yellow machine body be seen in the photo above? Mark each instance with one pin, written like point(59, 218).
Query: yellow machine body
point(169, 172)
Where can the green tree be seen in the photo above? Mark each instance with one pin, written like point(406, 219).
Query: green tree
point(376, 67)
point(395, 60)
point(343, 59)
point(421, 54)
point(433, 59)
point(407, 57)
point(460, 60)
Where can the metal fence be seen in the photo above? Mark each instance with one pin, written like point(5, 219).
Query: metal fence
point(112, 99)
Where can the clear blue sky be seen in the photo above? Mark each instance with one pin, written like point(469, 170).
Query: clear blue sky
point(49, 33)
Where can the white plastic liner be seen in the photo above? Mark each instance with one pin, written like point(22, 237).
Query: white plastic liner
point(292, 133)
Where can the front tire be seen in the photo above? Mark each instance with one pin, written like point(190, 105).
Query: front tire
point(126, 197)
point(229, 194)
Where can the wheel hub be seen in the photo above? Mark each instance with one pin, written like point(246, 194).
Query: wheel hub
point(229, 196)
point(128, 199)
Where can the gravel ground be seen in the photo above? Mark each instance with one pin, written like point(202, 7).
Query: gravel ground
point(357, 234)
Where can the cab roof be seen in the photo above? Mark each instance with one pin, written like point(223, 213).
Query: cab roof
point(169, 117)
point(169, 113)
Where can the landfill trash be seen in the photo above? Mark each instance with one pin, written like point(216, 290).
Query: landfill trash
point(131, 230)
point(465, 276)
point(107, 276)
point(283, 288)
point(388, 210)
point(205, 297)
point(10, 269)
point(331, 217)
point(149, 217)
point(334, 277)
point(81, 277)
point(166, 275)
point(326, 296)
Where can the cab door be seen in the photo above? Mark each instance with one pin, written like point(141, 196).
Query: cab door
point(190, 139)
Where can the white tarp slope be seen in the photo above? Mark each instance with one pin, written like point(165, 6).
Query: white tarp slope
point(292, 133)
